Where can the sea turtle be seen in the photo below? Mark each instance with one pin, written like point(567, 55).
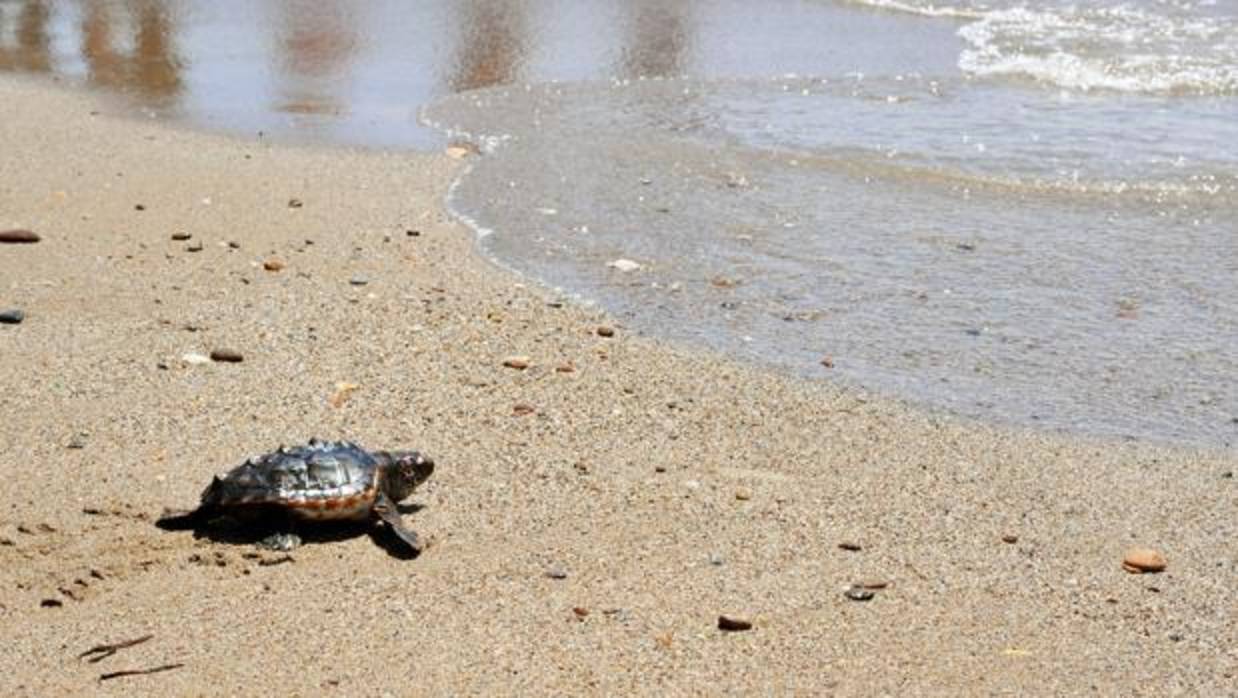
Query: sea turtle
point(320, 481)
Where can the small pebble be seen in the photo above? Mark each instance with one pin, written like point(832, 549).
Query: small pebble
point(1010, 538)
point(13, 316)
point(359, 280)
point(605, 331)
point(191, 358)
point(565, 368)
point(230, 356)
point(1140, 560)
point(580, 611)
point(77, 441)
point(51, 603)
point(234, 245)
point(517, 362)
point(624, 265)
point(273, 265)
point(194, 247)
point(827, 362)
point(849, 545)
point(858, 593)
point(181, 236)
point(139, 207)
point(874, 584)
point(18, 236)
point(716, 560)
point(413, 233)
point(733, 623)
point(522, 410)
point(743, 494)
point(295, 203)
point(556, 573)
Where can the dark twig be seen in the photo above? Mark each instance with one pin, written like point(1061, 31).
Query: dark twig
point(139, 672)
point(105, 651)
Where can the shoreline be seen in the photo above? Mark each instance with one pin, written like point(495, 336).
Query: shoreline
point(669, 486)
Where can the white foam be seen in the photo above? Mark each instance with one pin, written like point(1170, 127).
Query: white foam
point(1139, 46)
point(1120, 48)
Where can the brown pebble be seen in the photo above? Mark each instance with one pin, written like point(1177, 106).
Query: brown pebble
point(1140, 560)
point(194, 247)
point(51, 603)
point(230, 356)
point(18, 236)
point(273, 265)
point(580, 611)
point(139, 207)
point(849, 545)
point(517, 362)
point(1010, 538)
point(743, 494)
point(295, 203)
point(733, 623)
point(605, 331)
point(874, 584)
point(827, 362)
point(522, 410)
point(565, 368)
point(181, 236)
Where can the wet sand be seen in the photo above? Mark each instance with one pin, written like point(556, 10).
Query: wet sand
point(588, 526)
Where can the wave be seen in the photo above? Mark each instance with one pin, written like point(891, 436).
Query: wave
point(1157, 47)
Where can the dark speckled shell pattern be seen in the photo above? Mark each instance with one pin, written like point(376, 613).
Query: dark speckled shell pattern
point(320, 480)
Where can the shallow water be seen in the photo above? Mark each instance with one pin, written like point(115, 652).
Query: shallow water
point(1023, 212)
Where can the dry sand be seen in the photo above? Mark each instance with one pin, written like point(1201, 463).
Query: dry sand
point(669, 486)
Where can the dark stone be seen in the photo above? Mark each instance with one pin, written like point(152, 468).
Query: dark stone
point(12, 316)
point(230, 356)
point(734, 623)
point(18, 236)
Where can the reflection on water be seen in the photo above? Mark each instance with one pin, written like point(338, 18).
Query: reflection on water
point(30, 49)
point(661, 35)
point(492, 43)
point(358, 71)
point(314, 50)
point(150, 68)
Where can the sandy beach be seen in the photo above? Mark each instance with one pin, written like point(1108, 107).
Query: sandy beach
point(591, 515)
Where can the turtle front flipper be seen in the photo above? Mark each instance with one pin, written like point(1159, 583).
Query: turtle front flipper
point(385, 510)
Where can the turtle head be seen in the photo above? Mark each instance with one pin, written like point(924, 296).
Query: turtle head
point(404, 470)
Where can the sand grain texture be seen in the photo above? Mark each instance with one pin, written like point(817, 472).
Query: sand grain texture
point(620, 476)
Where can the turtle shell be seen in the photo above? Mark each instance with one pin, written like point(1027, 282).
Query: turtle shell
point(320, 480)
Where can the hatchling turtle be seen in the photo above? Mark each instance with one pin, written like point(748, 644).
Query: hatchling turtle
point(320, 481)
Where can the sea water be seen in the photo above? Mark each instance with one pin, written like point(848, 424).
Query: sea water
point(1023, 212)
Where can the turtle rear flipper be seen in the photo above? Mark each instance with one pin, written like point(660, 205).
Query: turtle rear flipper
point(385, 510)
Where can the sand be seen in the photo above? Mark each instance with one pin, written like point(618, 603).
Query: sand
point(586, 545)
